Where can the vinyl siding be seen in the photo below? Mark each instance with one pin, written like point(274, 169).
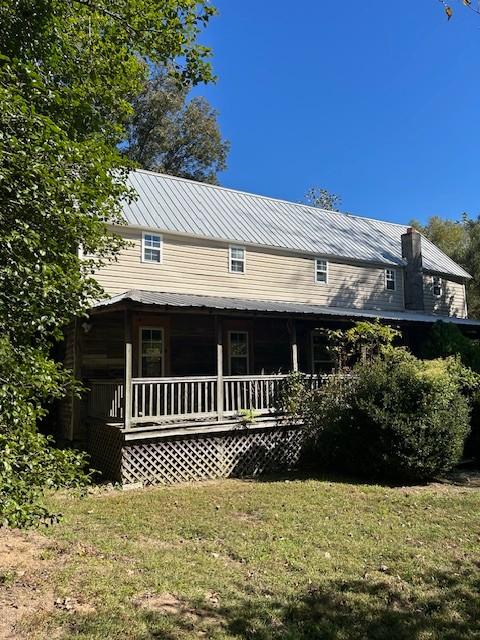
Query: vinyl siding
point(450, 303)
point(201, 266)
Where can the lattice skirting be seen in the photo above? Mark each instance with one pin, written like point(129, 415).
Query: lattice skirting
point(104, 444)
point(198, 457)
point(243, 452)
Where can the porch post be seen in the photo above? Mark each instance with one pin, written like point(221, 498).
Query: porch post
point(219, 341)
point(127, 382)
point(293, 344)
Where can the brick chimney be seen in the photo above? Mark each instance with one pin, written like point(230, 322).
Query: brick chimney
point(412, 253)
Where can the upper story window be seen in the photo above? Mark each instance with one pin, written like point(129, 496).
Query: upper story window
point(237, 259)
point(321, 271)
point(437, 286)
point(390, 279)
point(151, 247)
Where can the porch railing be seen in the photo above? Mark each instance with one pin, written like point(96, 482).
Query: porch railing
point(187, 398)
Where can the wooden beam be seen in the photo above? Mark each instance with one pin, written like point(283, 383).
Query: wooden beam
point(219, 341)
point(293, 344)
point(127, 388)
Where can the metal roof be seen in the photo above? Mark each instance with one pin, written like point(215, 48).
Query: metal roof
point(193, 301)
point(176, 205)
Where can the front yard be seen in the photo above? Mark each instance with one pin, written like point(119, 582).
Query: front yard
point(266, 560)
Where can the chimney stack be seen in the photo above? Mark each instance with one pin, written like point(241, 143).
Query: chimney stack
point(412, 253)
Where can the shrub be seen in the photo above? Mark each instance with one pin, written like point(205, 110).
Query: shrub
point(446, 339)
point(396, 417)
point(29, 465)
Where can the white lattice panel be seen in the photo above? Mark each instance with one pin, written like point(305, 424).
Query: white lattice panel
point(202, 457)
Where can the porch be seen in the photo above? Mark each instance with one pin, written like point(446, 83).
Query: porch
point(185, 387)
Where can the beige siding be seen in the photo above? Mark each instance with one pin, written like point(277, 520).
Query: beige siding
point(201, 266)
point(450, 303)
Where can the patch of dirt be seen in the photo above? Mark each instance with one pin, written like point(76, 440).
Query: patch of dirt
point(170, 605)
point(27, 560)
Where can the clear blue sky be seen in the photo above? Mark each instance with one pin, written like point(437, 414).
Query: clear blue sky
point(378, 101)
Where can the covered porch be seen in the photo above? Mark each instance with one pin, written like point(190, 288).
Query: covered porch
point(184, 387)
point(146, 368)
point(156, 359)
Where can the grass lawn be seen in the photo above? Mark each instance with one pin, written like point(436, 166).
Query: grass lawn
point(230, 559)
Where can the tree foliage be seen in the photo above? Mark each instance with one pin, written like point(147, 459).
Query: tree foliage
point(69, 71)
point(323, 199)
point(169, 134)
point(461, 241)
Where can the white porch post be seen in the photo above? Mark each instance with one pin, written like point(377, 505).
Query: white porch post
point(127, 382)
point(293, 344)
point(219, 342)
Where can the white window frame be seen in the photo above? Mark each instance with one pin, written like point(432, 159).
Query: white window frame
point(392, 279)
point(317, 271)
point(437, 282)
point(160, 248)
point(140, 347)
point(231, 259)
point(230, 350)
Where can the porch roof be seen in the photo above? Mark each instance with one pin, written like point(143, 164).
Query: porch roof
point(166, 300)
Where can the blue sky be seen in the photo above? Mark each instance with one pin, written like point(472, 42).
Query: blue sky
point(377, 101)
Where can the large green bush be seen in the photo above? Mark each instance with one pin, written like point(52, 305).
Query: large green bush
point(29, 465)
point(395, 417)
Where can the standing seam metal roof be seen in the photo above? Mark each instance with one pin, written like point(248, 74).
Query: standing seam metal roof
point(177, 205)
point(194, 301)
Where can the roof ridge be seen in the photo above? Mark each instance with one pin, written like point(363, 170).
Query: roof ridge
point(271, 198)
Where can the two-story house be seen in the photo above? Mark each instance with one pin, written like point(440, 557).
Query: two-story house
point(217, 296)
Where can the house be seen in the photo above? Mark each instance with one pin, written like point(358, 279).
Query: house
point(217, 297)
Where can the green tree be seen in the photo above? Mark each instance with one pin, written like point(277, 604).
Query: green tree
point(323, 199)
point(461, 241)
point(169, 134)
point(69, 72)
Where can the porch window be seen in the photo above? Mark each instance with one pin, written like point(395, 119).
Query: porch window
point(321, 360)
point(238, 352)
point(151, 248)
point(437, 286)
point(390, 279)
point(151, 352)
point(321, 271)
point(237, 260)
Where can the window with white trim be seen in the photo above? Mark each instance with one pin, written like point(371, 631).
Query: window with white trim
point(436, 286)
point(151, 352)
point(237, 259)
point(238, 353)
point(321, 271)
point(390, 279)
point(151, 247)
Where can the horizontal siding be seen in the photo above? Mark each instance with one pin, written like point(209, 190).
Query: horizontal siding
point(450, 303)
point(201, 267)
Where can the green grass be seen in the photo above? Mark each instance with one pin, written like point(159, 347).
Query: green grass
point(267, 560)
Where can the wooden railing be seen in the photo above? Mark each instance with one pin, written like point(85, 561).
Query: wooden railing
point(187, 398)
point(106, 399)
point(179, 398)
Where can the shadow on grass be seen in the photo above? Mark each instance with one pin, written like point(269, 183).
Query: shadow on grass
point(445, 605)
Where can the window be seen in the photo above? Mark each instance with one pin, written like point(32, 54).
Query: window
point(390, 279)
point(238, 352)
point(151, 352)
point(321, 271)
point(237, 260)
point(437, 286)
point(151, 248)
point(321, 360)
